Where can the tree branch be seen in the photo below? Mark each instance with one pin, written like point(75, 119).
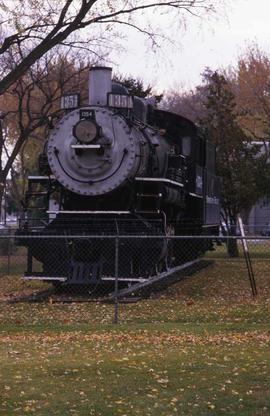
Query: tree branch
point(64, 27)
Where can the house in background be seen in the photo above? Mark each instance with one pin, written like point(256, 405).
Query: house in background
point(259, 218)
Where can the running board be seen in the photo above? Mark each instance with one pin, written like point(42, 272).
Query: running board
point(57, 278)
point(125, 279)
point(64, 279)
point(148, 282)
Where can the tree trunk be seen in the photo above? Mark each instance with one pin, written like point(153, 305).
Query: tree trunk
point(245, 217)
point(232, 247)
point(2, 181)
point(2, 192)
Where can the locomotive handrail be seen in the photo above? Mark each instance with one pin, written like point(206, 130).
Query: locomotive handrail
point(195, 195)
point(146, 179)
point(86, 146)
point(88, 212)
point(40, 178)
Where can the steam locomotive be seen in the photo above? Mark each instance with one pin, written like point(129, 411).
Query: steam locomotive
point(118, 167)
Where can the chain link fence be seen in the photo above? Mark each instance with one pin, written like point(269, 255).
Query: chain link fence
point(124, 271)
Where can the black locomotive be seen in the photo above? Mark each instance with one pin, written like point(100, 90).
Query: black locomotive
point(119, 166)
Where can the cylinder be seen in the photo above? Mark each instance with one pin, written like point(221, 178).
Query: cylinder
point(100, 84)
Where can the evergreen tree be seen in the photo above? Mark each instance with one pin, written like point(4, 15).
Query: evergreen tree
point(240, 162)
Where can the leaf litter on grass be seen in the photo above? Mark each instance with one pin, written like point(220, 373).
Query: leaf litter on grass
point(199, 347)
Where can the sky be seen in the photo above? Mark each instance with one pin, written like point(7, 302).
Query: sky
point(215, 43)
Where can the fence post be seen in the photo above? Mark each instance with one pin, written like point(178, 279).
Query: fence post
point(247, 258)
point(9, 250)
point(116, 273)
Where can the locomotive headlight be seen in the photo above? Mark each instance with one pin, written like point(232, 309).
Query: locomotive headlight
point(86, 131)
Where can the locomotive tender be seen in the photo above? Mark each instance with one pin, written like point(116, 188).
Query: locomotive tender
point(119, 166)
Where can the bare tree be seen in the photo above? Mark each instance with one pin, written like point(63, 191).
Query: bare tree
point(30, 107)
point(37, 26)
point(189, 104)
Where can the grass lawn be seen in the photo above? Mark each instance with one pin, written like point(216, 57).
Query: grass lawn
point(201, 347)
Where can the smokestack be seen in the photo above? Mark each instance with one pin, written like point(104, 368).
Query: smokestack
point(100, 84)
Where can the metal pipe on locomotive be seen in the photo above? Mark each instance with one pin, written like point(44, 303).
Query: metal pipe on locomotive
point(119, 166)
